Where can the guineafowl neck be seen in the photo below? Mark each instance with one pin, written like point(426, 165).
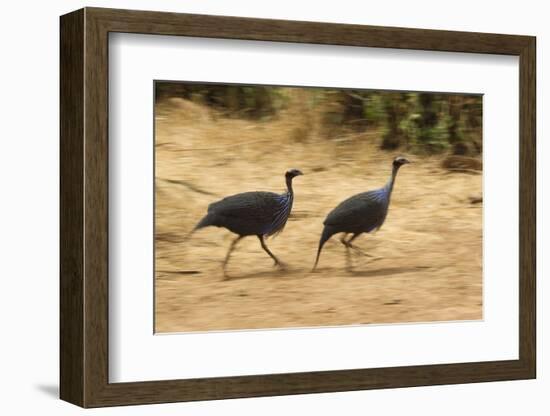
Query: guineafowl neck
point(391, 181)
point(289, 186)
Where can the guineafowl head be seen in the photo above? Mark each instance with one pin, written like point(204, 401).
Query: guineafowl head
point(291, 173)
point(400, 161)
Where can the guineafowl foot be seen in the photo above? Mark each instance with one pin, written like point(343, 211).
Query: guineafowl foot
point(375, 258)
point(362, 252)
point(225, 275)
point(357, 250)
point(281, 265)
point(371, 257)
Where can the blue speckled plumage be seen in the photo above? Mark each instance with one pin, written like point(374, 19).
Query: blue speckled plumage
point(251, 213)
point(361, 213)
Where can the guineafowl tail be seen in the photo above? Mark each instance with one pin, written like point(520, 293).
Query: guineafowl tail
point(327, 233)
point(207, 221)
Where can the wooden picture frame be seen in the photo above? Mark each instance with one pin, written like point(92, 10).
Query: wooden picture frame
point(84, 207)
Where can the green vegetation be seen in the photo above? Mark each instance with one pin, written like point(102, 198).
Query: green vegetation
point(424, 123)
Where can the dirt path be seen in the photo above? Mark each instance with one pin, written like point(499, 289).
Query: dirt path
point(429, 265)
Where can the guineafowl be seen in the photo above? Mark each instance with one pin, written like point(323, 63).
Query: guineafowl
point(361, 213)
point(257, 213)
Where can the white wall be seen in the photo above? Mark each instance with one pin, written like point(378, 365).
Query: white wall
point(29, 209)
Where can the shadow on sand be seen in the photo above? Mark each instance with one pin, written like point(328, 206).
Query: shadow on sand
point(385, 271)
point(274, 273)
point(297, 272)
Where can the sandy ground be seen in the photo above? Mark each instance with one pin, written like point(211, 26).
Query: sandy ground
point(428, 264)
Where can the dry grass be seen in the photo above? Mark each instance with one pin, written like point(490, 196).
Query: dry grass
point(429, 249)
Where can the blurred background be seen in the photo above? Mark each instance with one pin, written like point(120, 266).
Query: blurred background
point(214, 140)
point(424, 123)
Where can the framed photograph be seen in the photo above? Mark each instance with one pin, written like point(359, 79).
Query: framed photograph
point(255, 207)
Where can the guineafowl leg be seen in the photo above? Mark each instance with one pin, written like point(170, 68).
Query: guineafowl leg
point(348, 243)
point(343, 240)
point(277, 261)
point(231, 248)
point(357, 249)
